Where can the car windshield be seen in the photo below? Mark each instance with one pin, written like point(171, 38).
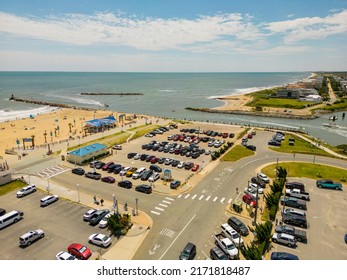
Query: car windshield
point(235, 235)
point(231, 246)
point(104, 238)
point(82, 249)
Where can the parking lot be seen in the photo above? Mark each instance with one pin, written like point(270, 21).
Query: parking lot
point(326, 225)
point(62, 222)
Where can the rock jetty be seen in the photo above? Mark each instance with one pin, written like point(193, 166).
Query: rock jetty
point(111, 93)
point(46, 103)
point(253, 113)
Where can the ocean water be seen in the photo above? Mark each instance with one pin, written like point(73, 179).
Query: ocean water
point(164, 95)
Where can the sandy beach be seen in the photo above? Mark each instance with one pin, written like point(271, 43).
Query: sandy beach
point(56, 123)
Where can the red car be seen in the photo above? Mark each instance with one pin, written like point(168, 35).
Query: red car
point(108, 179)
point(79, 251)
point(249, 200)
point(105, 167)
point(195, 167)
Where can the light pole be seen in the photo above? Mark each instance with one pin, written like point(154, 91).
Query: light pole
point(115, 204)
point(78, 192)
point(314, 153)
point(256, 207)
point(28, 175)
point(137, 209)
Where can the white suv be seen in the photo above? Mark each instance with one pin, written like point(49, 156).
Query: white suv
point(232, 234)
point(285, 239)
point(31, 236)
point(48, 200)
point(26, 190)
point(138, 173)
point(263, 177)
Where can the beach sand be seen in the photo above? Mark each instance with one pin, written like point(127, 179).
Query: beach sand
point(28, 127)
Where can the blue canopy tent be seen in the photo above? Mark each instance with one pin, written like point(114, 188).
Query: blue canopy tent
point(97, 125)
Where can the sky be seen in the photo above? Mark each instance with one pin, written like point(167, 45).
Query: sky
point(173, 36)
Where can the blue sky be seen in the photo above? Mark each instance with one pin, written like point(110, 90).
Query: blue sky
point(173, 36)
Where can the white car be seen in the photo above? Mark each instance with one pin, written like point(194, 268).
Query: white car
point(232, 234)
point(154, 177)
point(65, 256)
point(124, 170)
point(88, 214)
point(181, 164)
point(117, 147)
point(263, 177)
point(149, 135)
point(255, 187)
point(48, 200)
point(207, 152)
point(138, 173)
point(104, 222)
point(137, 156)
point(26, 190)
point(100, 239)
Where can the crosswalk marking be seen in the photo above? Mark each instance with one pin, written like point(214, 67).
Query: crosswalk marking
point(158, 208)
point(167, 232)
point(168, 202)
point(169, 198)
point(163, 205)
point(187, 195)
point(155, 212)
point(201, 197)
point(222, 200)
point(208, 198)
point(215, 198)
point(194, 196)
point(179, 196)
point(229, 201)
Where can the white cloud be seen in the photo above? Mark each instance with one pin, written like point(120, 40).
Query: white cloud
point(310, 28)
point(140, 33)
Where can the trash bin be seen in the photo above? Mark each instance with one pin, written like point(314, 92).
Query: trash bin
point(62, 157)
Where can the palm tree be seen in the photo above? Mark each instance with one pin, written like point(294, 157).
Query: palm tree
point(33, 141)
point(70, 125)
point(45, 135)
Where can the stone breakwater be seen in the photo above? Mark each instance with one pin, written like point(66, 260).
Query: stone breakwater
point(253, 113)
point(111, 93)
point(52, 104)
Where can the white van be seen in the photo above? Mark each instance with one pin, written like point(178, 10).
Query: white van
point(10, 218)
point(48, 200)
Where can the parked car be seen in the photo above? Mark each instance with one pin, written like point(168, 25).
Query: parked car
point(284, 238)
point(138, 173)
point(117, 147)
point(274, 143)
point(294, 220)
point(65, 256)
point(329, 184)
point(144, 188)
point(106, 166)
point(100, 239)
point(237, 225)
point(78, 171)
point(93, 175)
point(175, 184)
point(255, 187)
point(99, 165)
point(104, 222)
point(2, 211)
point(155, 168)
point(232, 234)
point(31, 236)
point(94, 163)
point(130, 172)
point(195, 167)
point(131, 155)
point(154, 177)
point(146, 175)
point(48, 200)
point(98, 216)
point(251, 147)
point(124, 170)
point(293, 202)
point(283, 256)
point(108, 179)
point(257, 181)
point(299, 234)
point(216, 253)
point(79, 251)
point(26, 190)
point(263, 177)
point(295, 185)
point(88, 214)
point(188, 252)
point(125, 184)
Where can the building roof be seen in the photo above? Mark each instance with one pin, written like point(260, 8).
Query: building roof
point(101, 122)
point(88, 149)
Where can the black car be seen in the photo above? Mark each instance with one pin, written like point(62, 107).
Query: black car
point(175, 184)
point(117, 169)
point(144, 188)
point(217, 254)
point(239, 226)
point(257, 181)
point(294, 202)
point(2, 211)
point(145, 176)
point(125, 184)
point(295, 220)
point(283, 256)
point(143, 157)
point(131, 155)
point(93, 175)
point(155, 168)
point(78, 171)
point(111, 167)
point(99, 165)
point(175, 163)
point(274, 143)
point(251, 147)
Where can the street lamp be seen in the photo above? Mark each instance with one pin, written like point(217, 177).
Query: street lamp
point(28, 175)
point(137, 209)
point(78, 192)
point(256, 207)
point(115, 204)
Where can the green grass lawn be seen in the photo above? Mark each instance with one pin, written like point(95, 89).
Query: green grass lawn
point(236, 153)
point(308, 170)
point(14, 185)
point(300, 147)
point(142, 130)
point(280, 103)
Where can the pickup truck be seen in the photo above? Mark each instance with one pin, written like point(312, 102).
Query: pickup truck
point(298, 194)
point(299, 234)
point(329, 184)
point(294, 202)
point(226, 245)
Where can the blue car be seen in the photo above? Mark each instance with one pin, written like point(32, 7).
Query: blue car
point(175, 184)
point(283, 256)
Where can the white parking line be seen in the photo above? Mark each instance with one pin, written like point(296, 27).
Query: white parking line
point(201, 197)
point(169, 198)
point(222, 200)
point(168, 202)
point(215, 198)
point(194, 196)
point(208, 198)
point(229, 201)
point(160, 209)
point(163, 205)
point(179, 196)
point(155, 212)
point(187, 195)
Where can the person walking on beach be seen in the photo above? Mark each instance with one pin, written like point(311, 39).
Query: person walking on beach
point(101, 202)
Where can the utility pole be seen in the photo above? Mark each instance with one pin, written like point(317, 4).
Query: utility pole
point(256, 207)
point(78, 192)
point(137, 209)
